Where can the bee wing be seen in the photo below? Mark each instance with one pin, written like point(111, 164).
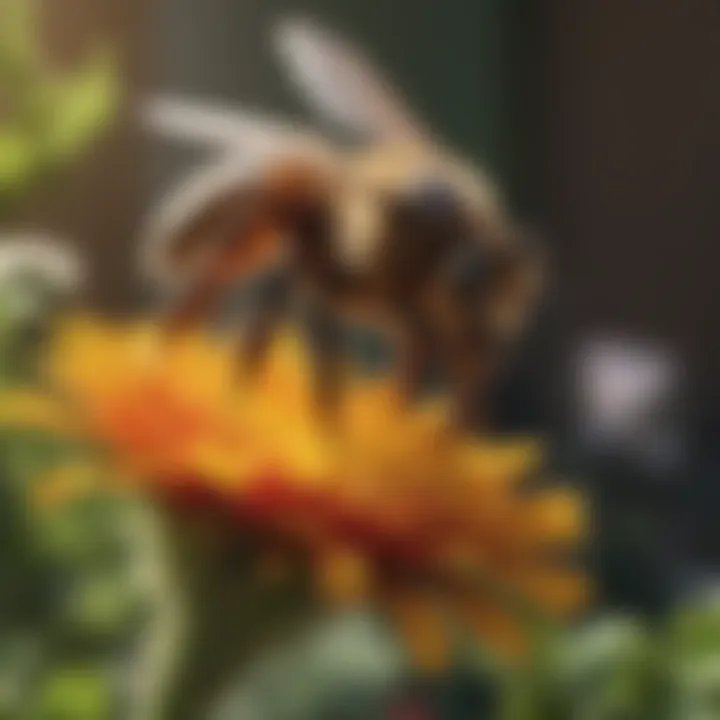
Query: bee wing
point(342, 84)
point(192, 218)
point(222, 126)
point(186, 223)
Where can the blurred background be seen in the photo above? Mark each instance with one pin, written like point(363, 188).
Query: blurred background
point(601, 121)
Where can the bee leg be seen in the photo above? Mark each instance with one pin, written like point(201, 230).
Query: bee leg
point(203, 294)
point(325, 336)
point(416, 355)
point(472, 368)
point(269, 307)
point(197, 302)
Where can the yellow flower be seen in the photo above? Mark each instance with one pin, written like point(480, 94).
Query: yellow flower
point(391, 504)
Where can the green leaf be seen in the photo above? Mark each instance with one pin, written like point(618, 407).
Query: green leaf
point(605, 670)
point(76, 693)
point(18, 46)
point(82, 105)
point(348, 662)
point(18, 660)
point(104, 608)
point(18, 155)
point(694, 630)
point(533, 691)
point(608, 669)
point(50, 119)
point(593, 650)
point(693, 643)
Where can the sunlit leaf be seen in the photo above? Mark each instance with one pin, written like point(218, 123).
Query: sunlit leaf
point(694, 644)
point(80, 693)
point(695, 628)
point(17, 158)
point(83, 104)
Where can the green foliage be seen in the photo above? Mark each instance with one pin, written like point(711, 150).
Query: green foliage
point(343, 669)
point(71, 598)
point(75, 693)
point(619, 668)
point(46, 118)
point(74, 589)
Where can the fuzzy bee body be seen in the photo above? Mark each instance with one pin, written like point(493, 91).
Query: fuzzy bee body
point(398, 232)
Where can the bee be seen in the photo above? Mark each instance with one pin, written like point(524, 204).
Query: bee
point(385, 226)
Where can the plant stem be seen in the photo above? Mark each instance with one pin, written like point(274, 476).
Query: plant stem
point(215, 619)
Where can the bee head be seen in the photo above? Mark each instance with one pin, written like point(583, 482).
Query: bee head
point(433, 206)
point(502, 280)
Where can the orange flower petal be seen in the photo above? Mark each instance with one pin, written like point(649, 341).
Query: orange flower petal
point(343, 577)
point(423, 628)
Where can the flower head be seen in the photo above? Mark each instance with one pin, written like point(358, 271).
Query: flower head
point(390, 505)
